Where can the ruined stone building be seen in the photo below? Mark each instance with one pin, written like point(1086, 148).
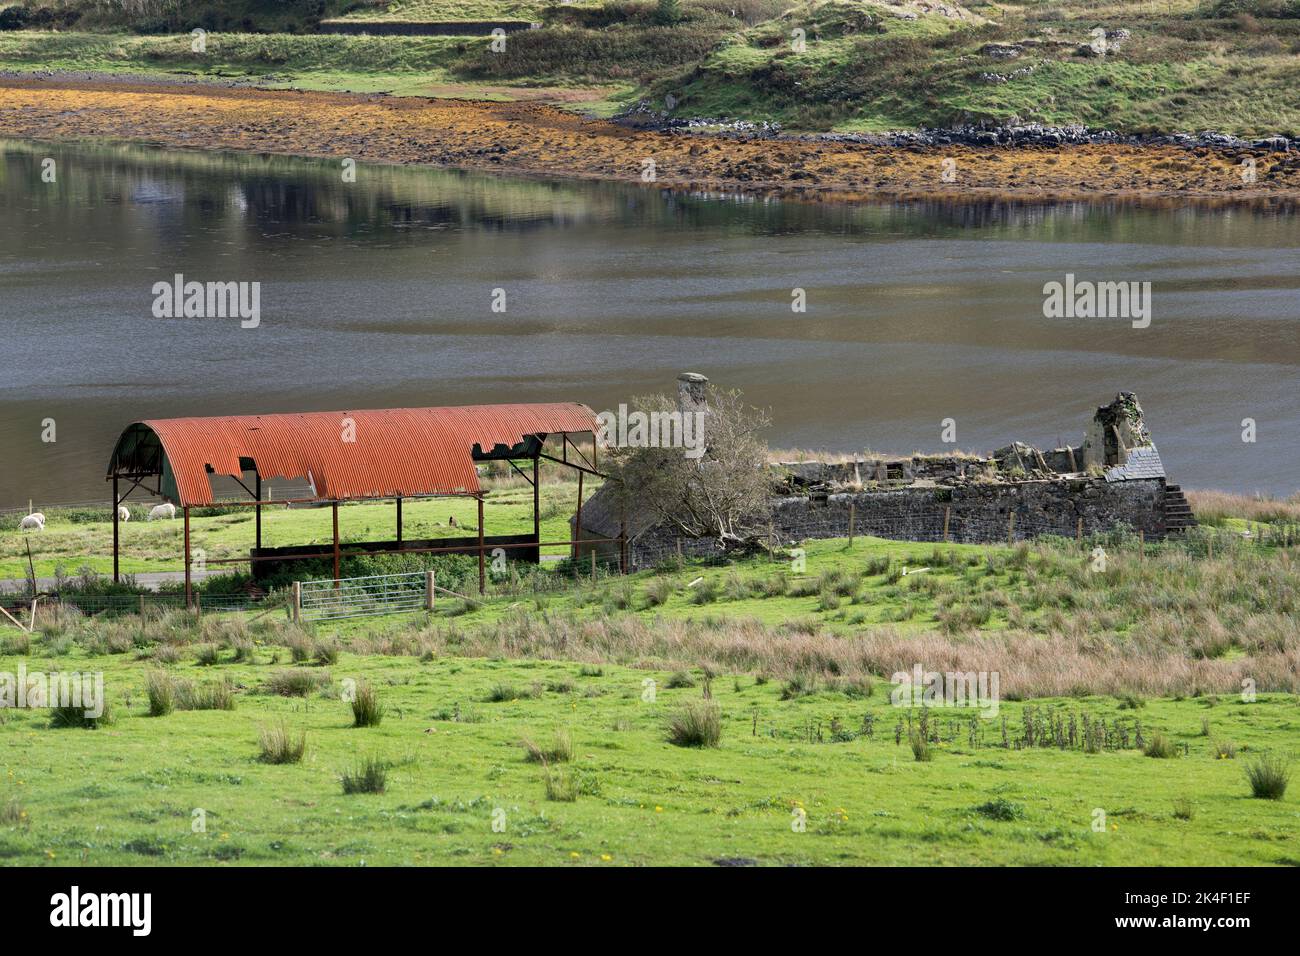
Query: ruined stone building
point(1113, 479)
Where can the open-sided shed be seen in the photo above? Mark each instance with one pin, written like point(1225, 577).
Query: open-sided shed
point(370, 454)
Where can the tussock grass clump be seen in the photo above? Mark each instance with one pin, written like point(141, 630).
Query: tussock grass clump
point(706, 592)
point(19, 645)
point(560, 751)
point(800, 685)
point(591, 670)
point(1160, 747)
point(326, 653)
point(1223, 750)
point(13, 814)
point(838, 581)
point(367, 711)
point(697, 724)
point(658, 591)
point(1000, 808)
point(857, 687)
point(207, 655)
point(167, 654)
point(369, 776)
point(504, 693)
point(1183, 808)
point(76, 716)
point(921, 751)
point(279, 745)
point(1268, 776)
point(560, 784)
point(214, 695)
point(296, 682)
point(301, 646)
point(678, 679)
point(739, 588)
point(160, 688)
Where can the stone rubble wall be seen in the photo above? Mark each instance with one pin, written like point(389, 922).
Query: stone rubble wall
point(976, 512)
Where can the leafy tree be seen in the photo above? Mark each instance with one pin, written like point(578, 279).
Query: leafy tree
point(720, 488)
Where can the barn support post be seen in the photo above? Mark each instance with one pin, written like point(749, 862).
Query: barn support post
point(537, 508)
point(116, 505)
point(577, 523)
point(189, 590)
point(399, 523)
point(336, 541)
point(257, 490)
point(482, 565)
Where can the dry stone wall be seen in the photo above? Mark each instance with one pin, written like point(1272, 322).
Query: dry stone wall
point(975, 513)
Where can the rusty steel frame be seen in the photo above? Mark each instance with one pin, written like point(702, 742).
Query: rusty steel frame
point(337, 552)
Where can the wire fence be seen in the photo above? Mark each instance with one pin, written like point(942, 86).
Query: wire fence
point(372, 595)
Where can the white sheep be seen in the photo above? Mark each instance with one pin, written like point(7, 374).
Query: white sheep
point(165, 510)
point(33, 522)
point(123, 514)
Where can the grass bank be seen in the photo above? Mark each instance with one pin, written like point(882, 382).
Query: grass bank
point(813, 773)
point(826, 65)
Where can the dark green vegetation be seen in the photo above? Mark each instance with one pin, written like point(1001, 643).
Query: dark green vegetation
point(868, 65)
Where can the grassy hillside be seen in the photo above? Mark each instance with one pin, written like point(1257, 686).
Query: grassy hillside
point(1120, 734)
point(811, 775)
point(1229, 65)
point(872, 66)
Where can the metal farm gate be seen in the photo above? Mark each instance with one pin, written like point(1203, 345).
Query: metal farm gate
point(366, 597)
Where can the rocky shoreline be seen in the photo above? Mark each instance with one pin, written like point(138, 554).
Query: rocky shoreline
point(1029, 164)
point(1013, 135)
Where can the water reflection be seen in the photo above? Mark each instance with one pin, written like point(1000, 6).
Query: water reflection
point(378, 292)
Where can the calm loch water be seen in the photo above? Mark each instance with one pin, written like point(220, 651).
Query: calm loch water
point(380, 292)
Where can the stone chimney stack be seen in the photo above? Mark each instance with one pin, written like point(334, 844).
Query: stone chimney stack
point(691, 396)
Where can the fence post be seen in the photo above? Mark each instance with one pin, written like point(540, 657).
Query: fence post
point(1011, 528)
point(852, 520)
point(428, 591)
point(142, 605)
point(335, 505)
point(297, 602)
point(947, 514)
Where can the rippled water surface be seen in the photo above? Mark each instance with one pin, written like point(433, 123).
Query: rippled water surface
point(379, 293)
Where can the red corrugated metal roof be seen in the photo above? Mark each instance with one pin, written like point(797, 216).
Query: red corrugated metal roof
point(397, 451)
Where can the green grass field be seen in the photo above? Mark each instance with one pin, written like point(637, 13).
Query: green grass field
point(127, 793)
point(815, 763)
point(1227, 65)
point(70, 545)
